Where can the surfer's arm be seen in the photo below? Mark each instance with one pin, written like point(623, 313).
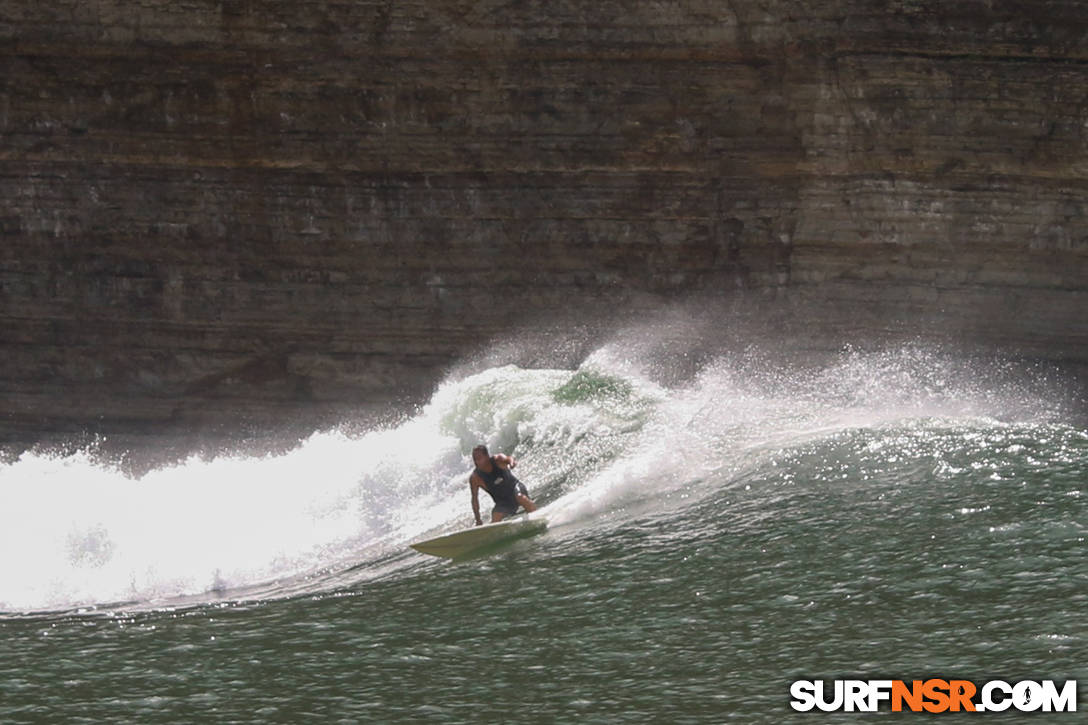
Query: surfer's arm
point(504, 461)
point(472, 483)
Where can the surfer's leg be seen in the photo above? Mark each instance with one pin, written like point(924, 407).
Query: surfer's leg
point(502, 510)
point(522, 497)
point(504, 507)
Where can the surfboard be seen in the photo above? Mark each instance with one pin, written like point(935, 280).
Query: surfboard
point(478, 538)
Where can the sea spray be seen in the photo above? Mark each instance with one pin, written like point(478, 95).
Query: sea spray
point(607, 441)
point(91, 535)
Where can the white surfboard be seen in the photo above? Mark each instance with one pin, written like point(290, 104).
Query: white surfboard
point(468, 541)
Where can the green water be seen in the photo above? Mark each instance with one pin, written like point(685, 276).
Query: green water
point(695, 591)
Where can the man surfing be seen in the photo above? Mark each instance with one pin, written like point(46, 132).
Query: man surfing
point(493, 475)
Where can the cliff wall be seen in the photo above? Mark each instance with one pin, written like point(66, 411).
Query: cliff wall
point(224, 215)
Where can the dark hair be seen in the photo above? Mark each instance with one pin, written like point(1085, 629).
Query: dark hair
point(481, 449)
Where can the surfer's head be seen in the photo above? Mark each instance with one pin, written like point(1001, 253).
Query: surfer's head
point(480, 456)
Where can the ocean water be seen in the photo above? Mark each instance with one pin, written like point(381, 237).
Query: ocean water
point(713, 537)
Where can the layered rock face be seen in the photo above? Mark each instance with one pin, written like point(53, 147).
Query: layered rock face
point(225, 215)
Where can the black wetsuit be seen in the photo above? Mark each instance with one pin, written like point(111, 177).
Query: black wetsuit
point(504, 488)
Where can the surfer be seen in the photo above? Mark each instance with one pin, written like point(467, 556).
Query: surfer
point(493, 475)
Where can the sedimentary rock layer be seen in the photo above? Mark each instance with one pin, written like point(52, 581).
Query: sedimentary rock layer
point(231, 214)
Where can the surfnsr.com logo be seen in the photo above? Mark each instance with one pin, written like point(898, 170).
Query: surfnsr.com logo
point(934, 695)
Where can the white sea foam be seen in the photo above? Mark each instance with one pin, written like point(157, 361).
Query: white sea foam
point(603, 440)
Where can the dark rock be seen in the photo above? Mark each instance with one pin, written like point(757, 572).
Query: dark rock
point(223, 216)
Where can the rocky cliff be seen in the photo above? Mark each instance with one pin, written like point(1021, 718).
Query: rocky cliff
point(225, 215)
